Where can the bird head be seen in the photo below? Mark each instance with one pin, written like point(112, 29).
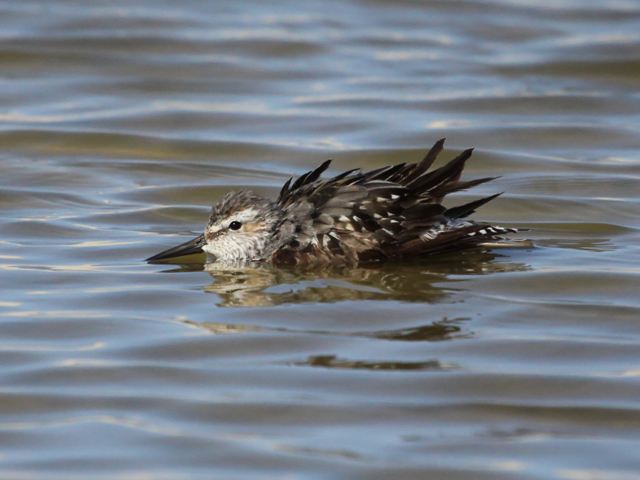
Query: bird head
point(243, 227)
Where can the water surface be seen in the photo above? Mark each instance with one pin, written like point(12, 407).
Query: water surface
point(121, 123)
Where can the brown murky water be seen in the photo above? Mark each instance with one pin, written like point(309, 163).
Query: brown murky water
point(121, 122)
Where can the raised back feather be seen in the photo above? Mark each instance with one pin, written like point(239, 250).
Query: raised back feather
point(389, 212)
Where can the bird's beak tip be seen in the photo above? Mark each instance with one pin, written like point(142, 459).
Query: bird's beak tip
point(191, 247)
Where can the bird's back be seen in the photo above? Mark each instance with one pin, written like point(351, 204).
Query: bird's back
point(389, 213)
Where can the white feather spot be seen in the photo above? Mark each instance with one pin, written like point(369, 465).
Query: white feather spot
point(482, 232)
point(429, 235)
point(377, 215)
point(472, 234)
point(394, 196)
point(343, 218)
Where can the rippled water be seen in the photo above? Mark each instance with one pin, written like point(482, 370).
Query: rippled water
point(121, 122)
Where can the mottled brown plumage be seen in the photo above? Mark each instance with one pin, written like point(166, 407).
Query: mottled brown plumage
point(391, 213)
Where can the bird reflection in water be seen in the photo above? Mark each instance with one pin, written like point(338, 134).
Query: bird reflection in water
point(429, 281)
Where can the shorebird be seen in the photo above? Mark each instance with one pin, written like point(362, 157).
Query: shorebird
point(354, 218)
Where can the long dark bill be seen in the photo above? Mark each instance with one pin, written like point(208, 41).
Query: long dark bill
point(187, 248)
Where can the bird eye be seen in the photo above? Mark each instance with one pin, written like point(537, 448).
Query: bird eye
point(235, 225)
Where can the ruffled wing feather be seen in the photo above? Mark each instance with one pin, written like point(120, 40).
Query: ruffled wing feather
point(386, 213)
